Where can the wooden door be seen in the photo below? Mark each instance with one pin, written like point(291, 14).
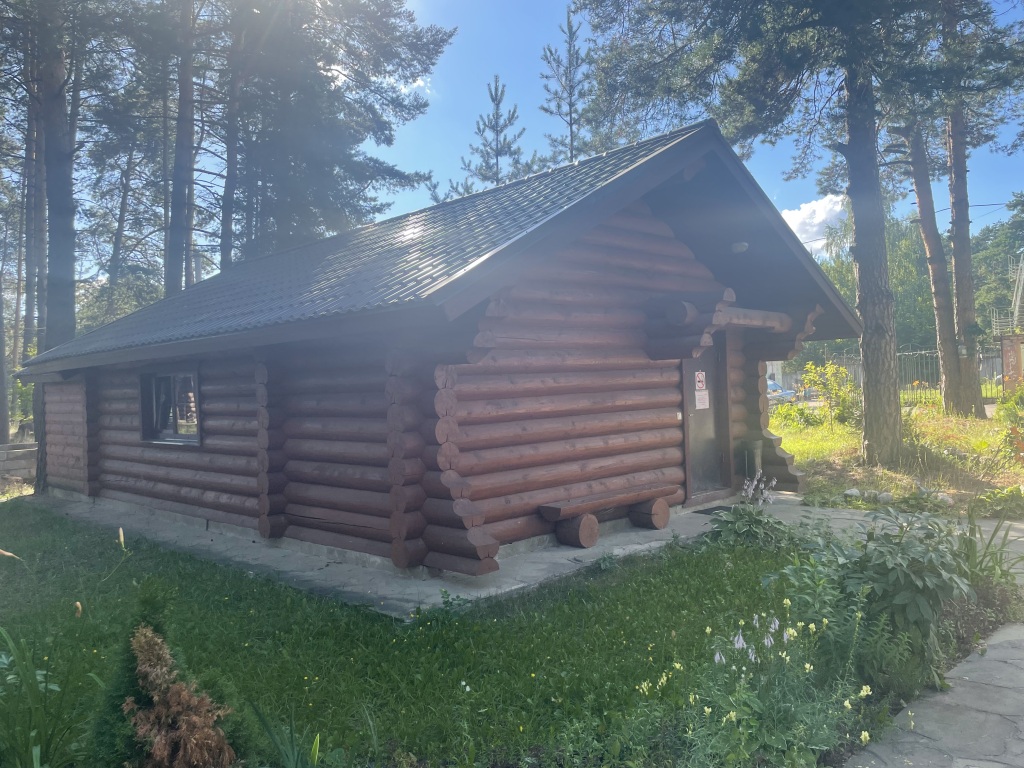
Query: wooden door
point(705, 426)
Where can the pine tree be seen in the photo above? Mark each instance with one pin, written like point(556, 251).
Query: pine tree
point(774, 69)
point(499, 158)
point(566, 85)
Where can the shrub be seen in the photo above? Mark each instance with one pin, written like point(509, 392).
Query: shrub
point(841, 400)
point(795, 415)
point(113, 741)
point(177, 724)
point(909, 565)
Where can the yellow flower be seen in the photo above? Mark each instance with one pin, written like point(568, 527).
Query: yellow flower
point(808, 667)
point(78, 610)
point(677, 666)
point(707, 711)
point(786, 602)
point(707, 630)
point(799, 625)
point(120, 537)
point(742, 622)
point(811, 628)
point(865, 737)
point(865, 691)
point(790, 633)
point(847, 704)
point(824, 624)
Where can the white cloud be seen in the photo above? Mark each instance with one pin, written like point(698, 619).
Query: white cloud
point(810, 219)
point(422, 84)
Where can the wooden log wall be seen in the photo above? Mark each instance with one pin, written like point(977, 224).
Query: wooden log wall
point(560, 401)
point(219, 476)
point(335, 430)
point(67, 436)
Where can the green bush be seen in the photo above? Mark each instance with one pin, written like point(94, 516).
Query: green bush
point(841, 399)
point(1006, 503)
point(795, 415)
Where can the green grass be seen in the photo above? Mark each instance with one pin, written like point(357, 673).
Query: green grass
point(544, 670)
point(958, 456)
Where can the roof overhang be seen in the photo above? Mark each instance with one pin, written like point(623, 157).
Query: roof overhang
point(397, 325)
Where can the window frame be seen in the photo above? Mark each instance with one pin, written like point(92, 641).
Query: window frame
point(149, 431)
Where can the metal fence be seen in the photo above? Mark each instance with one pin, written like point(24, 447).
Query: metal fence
point(918, 374)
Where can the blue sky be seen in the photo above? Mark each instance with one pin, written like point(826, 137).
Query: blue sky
point(507, 39)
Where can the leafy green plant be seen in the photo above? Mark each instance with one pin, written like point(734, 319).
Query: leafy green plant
point(1006, 503)
point(747, 524)
point(909, 564)
point(292, 753)
point(766, 699)
point(40, 721)
point(743, 525)
point(988, 556)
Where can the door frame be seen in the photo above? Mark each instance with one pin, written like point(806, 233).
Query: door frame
point(715, 361)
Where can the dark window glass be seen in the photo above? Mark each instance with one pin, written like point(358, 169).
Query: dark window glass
point(170, 407)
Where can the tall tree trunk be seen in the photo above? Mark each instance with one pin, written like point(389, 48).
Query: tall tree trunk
point(942, 298)
point(227, 201)
point(963, 279)
point(960, 221)
point(117, 248)
point(883, 428)
point(35, 196)
point(58, 157)
point(182, 173)
point(13, 411)
point(5, 414)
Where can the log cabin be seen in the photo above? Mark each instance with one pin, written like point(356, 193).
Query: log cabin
point(583, 345)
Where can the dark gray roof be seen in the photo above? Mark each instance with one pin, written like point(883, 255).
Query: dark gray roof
point(422, 258)
point(396, 261)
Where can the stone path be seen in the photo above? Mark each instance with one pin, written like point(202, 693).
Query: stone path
point(978, 723)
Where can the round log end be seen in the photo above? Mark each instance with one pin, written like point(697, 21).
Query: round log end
point(272, 526)
point(407, 554)
point(650, 514)
point(582, 531)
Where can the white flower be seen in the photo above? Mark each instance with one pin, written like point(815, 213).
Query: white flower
point(719, 658)
point(738, 641)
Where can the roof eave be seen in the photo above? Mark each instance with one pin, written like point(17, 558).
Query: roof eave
point(348, 326)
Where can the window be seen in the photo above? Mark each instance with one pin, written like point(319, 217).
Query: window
point(170, 407)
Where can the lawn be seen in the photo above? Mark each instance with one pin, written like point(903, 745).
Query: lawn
point(555, 670)
point(960, 457)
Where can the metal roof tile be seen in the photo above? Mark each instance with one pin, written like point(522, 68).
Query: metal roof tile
point(395, 261)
